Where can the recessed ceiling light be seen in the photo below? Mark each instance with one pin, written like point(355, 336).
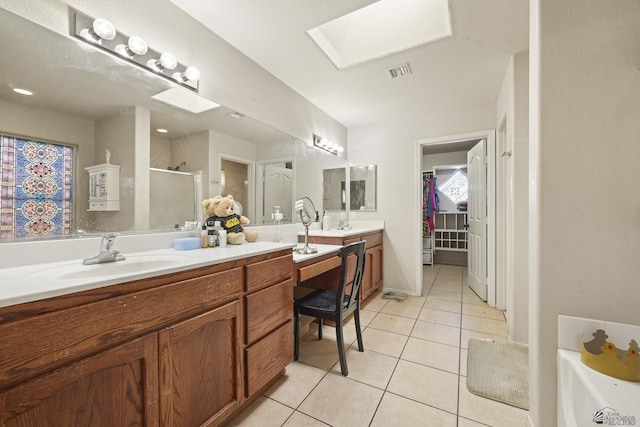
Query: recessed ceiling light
point(22, 91)
point(162, 130)
point(236, 115)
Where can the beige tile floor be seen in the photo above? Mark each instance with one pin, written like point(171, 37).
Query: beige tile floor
point(412, 372)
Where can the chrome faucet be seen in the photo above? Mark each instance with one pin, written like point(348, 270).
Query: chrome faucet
point(343, 225)
point(107, 253)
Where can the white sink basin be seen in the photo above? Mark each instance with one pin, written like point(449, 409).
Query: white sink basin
point(132, 264)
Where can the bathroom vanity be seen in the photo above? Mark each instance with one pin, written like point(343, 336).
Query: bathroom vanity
point(372, 279)
point(182, 345)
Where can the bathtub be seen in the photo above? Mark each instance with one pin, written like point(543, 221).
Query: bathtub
point(589, 398)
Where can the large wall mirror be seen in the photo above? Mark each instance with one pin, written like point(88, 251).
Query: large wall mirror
point(361, 191)
point(90, 102)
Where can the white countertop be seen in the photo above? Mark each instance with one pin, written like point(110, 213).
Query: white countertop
point(39, 281)
point(322, 250)
point(334, 232)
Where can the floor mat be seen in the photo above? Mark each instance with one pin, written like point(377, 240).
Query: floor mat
point(499, 372)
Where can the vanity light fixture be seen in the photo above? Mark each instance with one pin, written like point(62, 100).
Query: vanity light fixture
point(327, 145)
point(190, 74)
point(135, 46)
point(161, 130)
point(102, 34)
point(100, 29)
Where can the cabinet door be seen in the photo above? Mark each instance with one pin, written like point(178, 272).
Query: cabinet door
point(268, 357)
point(373, 272)
point(118, 387)
point(200, 370)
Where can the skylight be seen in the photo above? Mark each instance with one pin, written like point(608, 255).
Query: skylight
point(382, 28)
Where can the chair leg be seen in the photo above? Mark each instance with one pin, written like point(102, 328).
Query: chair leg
point(356, 318)
point(320, 322)
point(341, 354)
point(296, 334)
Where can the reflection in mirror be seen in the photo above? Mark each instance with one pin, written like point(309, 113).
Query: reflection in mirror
point(362, 181)
point(91, 101)
point(234, 180)
point(334, 193)
point(361, 192)
point(277, 189)
point(174, 196)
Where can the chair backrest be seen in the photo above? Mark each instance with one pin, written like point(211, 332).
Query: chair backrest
point(358, 249)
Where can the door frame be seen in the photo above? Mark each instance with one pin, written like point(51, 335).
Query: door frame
point(251, 177)
point(490, 135)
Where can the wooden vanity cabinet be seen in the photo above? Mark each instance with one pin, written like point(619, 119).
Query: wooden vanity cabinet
point(269, 328)
point(167, 350)
point(200, 368)
point(117, 387)
point(372, 279)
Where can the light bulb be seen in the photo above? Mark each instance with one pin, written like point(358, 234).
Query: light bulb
point(135, 46)
point(102, 29)
point(166, 61)
point(190, 74)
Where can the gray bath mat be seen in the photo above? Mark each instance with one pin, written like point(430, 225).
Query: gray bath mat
point(499, 372)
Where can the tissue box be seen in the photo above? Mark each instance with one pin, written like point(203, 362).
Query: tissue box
point(186, 243)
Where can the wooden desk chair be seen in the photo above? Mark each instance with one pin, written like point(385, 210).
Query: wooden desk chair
point(335, 306)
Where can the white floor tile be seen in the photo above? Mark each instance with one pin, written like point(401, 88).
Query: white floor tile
point(412, 372)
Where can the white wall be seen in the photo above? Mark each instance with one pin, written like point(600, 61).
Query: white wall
point(443, 159)
point(512, 197)
point(518, 328)
point(117, 134)
point(584, 147)
point(391, 146)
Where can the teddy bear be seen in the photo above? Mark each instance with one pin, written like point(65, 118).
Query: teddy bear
point(222, 209)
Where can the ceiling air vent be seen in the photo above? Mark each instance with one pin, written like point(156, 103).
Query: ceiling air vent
point(400, 70)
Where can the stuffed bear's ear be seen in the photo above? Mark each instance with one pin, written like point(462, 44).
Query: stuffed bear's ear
point(230, 197)
point(215, 202)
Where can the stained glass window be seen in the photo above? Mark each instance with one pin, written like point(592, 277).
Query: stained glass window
point(36, 188)
point(455, 187)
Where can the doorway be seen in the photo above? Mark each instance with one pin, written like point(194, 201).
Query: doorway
point(453, 143)
point(236, 178)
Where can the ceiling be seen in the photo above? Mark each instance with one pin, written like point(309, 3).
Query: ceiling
point(463, 70)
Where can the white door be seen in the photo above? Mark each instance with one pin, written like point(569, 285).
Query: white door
point(278, 191)
point(477, 219)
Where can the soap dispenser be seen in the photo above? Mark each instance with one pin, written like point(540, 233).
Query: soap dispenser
point(326, 221)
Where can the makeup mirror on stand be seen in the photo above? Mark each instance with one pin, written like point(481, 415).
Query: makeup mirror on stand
point(307, 213)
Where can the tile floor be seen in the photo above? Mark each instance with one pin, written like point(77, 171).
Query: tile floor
point(412, 372)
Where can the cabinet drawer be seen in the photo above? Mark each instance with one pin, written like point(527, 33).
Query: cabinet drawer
point(349, 240)
point(373, 239)
point(268, 308)
point(37, 344)
point(318, 268)
point(266, 273)
point(268, 357)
